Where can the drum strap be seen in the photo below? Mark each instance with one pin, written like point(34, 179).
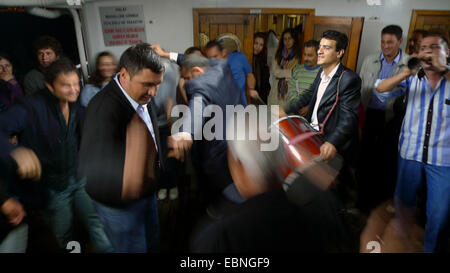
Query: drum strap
point(304, 136)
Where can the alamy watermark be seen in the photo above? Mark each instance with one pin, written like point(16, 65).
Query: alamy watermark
point(231, 125)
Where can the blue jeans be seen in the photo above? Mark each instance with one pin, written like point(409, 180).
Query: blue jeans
point(412, 175)
point(16, 240)
point(59, 215)
point(134, 228)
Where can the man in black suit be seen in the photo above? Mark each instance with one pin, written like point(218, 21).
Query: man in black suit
point(119, 152)
point(335, 93)
point(208, 83)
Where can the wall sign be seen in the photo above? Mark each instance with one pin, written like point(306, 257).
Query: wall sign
point(123, 25)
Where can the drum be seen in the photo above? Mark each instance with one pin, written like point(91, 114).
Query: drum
point(302, 144)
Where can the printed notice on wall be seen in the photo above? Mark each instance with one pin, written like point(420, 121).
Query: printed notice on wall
point(123, 25)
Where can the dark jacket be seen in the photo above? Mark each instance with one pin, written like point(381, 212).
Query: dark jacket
point(215, 87)
point(104, 147)
point(40, 126)
point(269, 223)
point(341, 129)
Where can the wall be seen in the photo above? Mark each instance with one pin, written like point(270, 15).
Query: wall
point(172, 19)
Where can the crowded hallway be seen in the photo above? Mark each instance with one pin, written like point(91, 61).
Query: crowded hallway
point(319, 133)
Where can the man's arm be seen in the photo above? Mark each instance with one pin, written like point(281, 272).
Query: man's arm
point(181, 143)
point(173, 56)
point(392, 82)
point(251, 85)
point(12, 122)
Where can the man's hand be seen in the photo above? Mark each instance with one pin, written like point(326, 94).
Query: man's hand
point(28, 164)
point(254, 94)
point(13, 211)
point(157, 48)
point(303, 111)
point(406, 72)
point(438, 63)
point(328, 151)
point(281, 112)
point(180, 144)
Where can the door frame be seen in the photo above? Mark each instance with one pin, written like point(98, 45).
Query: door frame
point(419, 12)
point(357, 24)
point(242, 11)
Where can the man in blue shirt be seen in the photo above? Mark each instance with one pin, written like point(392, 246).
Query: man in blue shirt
point(379, 131)
point(424, 144)
point(242, 72)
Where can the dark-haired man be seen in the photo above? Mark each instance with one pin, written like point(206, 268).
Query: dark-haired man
point(424, 143)
point(119, 154)
point(303, 75)
point(47, 125)
point(379, 128)
point(48, 50)
point(242, 71)
point(335, 93)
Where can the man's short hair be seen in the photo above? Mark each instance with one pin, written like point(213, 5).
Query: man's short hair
point(312, 43)
point(437, 34)
point(214, 43)
point(393, 29)
point(192, 49)
point(421, 31)
point(44, 42)
point(340, 38)
point(193, 60)
point(139, 57)
point(60, 66)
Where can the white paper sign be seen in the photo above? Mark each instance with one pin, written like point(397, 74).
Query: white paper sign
point(123, 25)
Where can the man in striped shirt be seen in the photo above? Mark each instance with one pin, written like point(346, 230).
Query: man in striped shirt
point(424, 144)
point(303, 75)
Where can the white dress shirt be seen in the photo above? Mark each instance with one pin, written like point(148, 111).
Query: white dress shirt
point(142, 111)
point(325, 80)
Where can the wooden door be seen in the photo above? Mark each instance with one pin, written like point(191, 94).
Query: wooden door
point(209, 23)
point(430, 20)
point(240, 26)
point(351, 26)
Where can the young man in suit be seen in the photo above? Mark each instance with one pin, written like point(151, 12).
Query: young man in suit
point(335, 93)
point(119, 154)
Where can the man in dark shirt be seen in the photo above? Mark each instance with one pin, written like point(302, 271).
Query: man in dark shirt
point(47, 125)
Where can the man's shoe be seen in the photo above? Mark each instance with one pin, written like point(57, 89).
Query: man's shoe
point(162, 194)
point(173, 193)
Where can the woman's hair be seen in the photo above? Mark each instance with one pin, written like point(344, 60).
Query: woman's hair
point(295, 48)
point(96, 78)
point(262, 35)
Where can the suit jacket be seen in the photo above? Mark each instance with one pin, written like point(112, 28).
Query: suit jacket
point(341, 129)
point(215, 87)
point(117, 153)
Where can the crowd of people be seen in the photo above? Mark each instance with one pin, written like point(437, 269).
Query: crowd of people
point(103, 154)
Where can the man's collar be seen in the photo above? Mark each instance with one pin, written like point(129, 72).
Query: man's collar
point(396, 60)
point(130, 99)
point(322, 75)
